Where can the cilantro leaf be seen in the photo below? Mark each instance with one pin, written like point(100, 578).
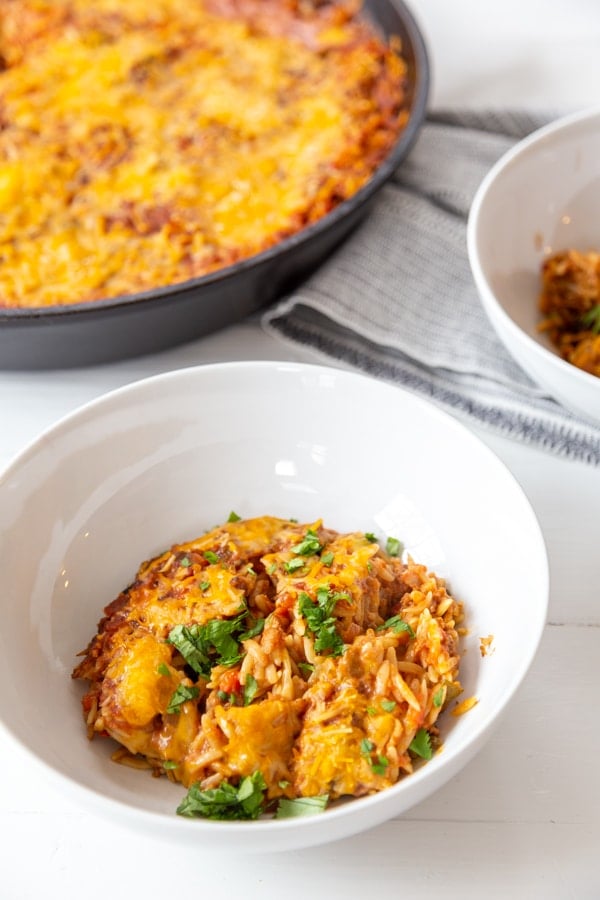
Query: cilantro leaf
point(591, 318)
point(380, 767)
point(372, 538)
point(366, 747)
point(214, 643)
point(397, 625)
point(438, 697)
point(211, 556)
point(388, 705)
point(219, 634)
point(320, 620)
point(250, 689)
point(233, 517)
point(163, 669)
point(180, 695)
point(306, 667)
point(226, 801)
point(309, 545)
point(224, 697)
point(293, 565)
point(188, 640)
point(329, 639)
point(394, 547)
point(327, 558)
point(421, 744)
point(253, 631)
point(301, 806)
point(185, 561)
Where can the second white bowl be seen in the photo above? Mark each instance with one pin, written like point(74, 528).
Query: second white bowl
point(543, 196)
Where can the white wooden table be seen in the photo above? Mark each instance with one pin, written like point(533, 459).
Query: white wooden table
point(523, 819)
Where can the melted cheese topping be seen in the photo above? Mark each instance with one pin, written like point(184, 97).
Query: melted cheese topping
point(141, 146)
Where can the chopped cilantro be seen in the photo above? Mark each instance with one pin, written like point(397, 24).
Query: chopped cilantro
point(211, 556)
point(306, 667)
point(371, 711)
point(421, 744)
point(163, 669)
point(218, 633)
point(388, 705)
point(215, 643)
point(224, 697)
point(180, 695)
point(283, 784)
point(380, 767)
point(309, 545)
point(320, 620)
point(327, 558)
point(185, 561)
point(272, 569)
point(253, 631)
point(372, 538)
point(366, 747)
point(250, 689)
point(233, 517)
point(397, 625)
point(394, 547)
point(226, 801)
point(204, 585)
point(189, 642)
point(591, 319)
point(438, 697)
point(169, 764)
point(301, 806)
point(293, 565)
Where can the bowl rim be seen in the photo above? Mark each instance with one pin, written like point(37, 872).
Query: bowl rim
point(452, 759)
point(491, 303)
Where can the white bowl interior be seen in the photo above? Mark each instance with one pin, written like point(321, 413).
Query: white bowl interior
point(540, 198)
point(163, 460)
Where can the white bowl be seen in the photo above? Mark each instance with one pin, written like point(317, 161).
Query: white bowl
point(160, 461)
point(542, 196)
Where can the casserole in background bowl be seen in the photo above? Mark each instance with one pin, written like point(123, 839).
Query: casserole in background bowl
point(540, 199)
point(163, 460)
point(152, 317)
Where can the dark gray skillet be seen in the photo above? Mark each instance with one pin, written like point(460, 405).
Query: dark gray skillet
point(108, 330)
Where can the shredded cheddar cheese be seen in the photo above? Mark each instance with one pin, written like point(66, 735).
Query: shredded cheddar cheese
point(144, 145)
point(464, 706)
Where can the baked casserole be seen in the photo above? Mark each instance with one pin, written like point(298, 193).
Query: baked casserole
point(273, 665)
point(146, 144)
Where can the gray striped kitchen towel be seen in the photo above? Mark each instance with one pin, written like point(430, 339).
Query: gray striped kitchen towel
point(398, 301)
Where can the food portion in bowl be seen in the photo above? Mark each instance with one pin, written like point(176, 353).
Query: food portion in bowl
point(272, 666)
point(570, 305)
point(146, 145)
